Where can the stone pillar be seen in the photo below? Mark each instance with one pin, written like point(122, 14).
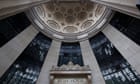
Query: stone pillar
point(51, 59)
point(129, 49)
point(11, 7)
point(125, 6)
point(89, 59)
point(11, 50)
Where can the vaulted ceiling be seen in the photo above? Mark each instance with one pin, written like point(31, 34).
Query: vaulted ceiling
point(71, 20)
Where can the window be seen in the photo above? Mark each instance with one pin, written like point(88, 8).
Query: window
point(26, 69)
point(128, 25)
point(12, 26)
point(70, 52)
point(115, 69)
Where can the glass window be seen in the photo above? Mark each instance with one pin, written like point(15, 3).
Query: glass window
point(70, 52)
point(12, 26)
point(115, 69)
point(26, 69)
point(130, 26)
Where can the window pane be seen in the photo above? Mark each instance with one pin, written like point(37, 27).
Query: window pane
point(26, 69)
point(70, 52)
point(115, 69)
point(12, 26)
point(128, 25)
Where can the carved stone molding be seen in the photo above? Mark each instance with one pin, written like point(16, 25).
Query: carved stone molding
point(71, 67)
point(69, 20)
point(71, 14)
point(70, 74)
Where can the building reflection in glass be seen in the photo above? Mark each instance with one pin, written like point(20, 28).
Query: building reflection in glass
point(70, 52)
point(26, 69)
point(130, 26)
point(115, 69)
point(12, 26)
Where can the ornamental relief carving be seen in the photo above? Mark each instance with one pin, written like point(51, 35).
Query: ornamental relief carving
point(71, 67)
point(87, 24)
point(70, 17)
point(70, 74)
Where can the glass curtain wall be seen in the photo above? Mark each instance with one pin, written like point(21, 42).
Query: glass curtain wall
point(70, 52)
point(115, 69)
point(26, 69)
point(12, 26)
point(130, 26)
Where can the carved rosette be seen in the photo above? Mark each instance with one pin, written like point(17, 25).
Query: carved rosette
point(70, 17)
point(69, 21)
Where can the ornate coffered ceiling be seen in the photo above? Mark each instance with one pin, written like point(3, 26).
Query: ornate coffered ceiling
point(68, 19)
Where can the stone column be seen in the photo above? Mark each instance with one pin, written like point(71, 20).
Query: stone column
point(125, 6)
point(11, 50)
point(89, 59)
point(129, 49)
point(51, 59)
point(11, 7)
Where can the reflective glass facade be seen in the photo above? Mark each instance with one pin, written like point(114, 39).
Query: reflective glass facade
point(26, 69)
point(12, 26)
point(70, 52)
point(115, 69)
point(130, 26)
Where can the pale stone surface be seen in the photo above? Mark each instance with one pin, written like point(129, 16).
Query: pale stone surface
point(125, 6)
point(11, 7)
point(51, 59)
point(11, 50)
point(128, 48)
point(12, 3)
point(89, 59)
point(123, 2)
